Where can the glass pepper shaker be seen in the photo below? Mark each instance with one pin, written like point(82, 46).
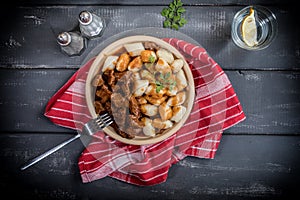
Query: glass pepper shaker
point(90, 24)
point(71, 43)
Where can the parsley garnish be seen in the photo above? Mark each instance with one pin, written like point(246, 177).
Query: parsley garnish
point(165, 81)
point(159, 86)
point(173, 15)
point(152, 59)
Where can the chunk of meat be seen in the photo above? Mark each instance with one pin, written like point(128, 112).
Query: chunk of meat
point(126, 84)
point(104, 94)
point(110, 76)
point(141, 100)
point(134, 131)
point(133, 121)
point(119, 114)
point(151, 46)
point(98, 81)
point(121, 133)
point(134, 107)
point(119, 75)
point(98, 107)
point(107, 106)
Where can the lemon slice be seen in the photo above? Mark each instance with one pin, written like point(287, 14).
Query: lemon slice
point(249, 29)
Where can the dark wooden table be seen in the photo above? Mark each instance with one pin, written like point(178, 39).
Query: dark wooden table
point(257, 159)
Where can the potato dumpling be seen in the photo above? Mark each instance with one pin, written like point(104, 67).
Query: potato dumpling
point(172, 92)
point(145, 74)
point(152, 92)
point(110, 63)
point(181, 81)
point(134, 49)
point(176, 65)
point(166, 55)
point(136, 64)
point(149, 130)
point(155, 101)
point(140, 87)
point(149, 109)
point(177, 100)
point(162, 66)
point(123, 62)
point(150, 67)
point(146, 120)
point(136, 76)
point(159, 124)
point(165, 111)
point(148, 56)
point(178, 112)
point(141, 100)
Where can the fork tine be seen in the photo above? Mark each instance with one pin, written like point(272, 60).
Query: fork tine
point(103, 115)
point(109, 123)
point(102, 121)
point(108, 120)
point(105, 118)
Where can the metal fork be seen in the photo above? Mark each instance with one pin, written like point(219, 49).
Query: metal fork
point(88, 129)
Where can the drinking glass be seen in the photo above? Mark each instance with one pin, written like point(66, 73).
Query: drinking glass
point(266, 25)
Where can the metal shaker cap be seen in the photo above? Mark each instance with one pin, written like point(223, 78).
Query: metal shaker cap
point(85, 17)
point(64, 38)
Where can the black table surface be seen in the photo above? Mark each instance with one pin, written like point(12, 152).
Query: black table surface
point(257, 158)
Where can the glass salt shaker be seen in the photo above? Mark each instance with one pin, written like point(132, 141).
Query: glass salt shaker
point(90, 24)
point(71, 43)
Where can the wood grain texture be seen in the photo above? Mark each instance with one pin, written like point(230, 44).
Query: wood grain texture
point(142, 2)
point(257, 159)
point(245, 167)
point(270, 100)
point(35, 46)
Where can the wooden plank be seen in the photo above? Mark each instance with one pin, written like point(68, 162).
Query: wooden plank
point(24, 95)
point(35, 46)
point(245, 167)
point(139, 2)
point(270, 100)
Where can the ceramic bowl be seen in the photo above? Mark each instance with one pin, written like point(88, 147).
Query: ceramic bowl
point(96, 68)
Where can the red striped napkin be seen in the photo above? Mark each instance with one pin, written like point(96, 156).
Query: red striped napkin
point(216, 108)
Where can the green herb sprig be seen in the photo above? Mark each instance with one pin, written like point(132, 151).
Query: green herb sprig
point(152, 59)
point(173, 15)
point(165, 81)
